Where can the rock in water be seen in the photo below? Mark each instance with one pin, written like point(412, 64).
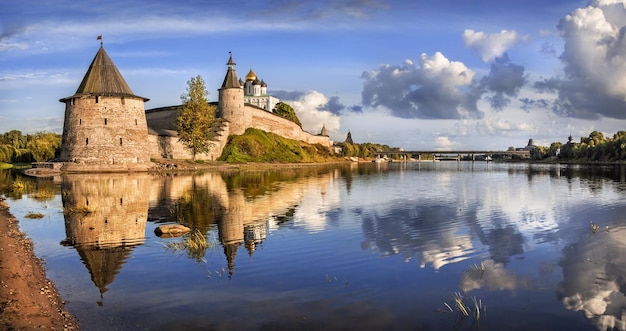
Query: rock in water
point(171, 230)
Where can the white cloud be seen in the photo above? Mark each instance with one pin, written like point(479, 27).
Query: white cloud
point(594, 57)
point(432, 90)
point(491, 46)
point(443, 143)
point(309, 108)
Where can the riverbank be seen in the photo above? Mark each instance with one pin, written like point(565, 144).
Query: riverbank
point(28, 300)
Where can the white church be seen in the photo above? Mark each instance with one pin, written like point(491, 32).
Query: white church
point(255, 92)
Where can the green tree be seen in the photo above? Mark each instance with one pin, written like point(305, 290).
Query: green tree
point(44, 145)
point(195, 118)
point(285, 111)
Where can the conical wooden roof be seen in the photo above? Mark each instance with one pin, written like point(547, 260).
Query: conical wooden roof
point(103, 78)
point(231, 80)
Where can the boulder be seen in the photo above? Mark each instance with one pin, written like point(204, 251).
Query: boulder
point(171, 230)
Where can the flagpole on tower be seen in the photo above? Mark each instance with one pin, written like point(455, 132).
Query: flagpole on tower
point(99, 38)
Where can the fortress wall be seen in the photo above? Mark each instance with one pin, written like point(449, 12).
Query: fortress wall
point(163, 142)
point(270, 122)
point(168, 147)
point(105, 130)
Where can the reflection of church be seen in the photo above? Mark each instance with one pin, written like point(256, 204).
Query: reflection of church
point(233, 232)
point(105, 218)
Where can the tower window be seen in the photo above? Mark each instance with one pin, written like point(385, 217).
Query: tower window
point(105, 121)
point(123, 101)
point(135, 121)
point(96, 99)
point(86, 141)
point(120, 141)
point(80, 121)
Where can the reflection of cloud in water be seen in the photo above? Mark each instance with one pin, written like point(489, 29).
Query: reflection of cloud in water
point(594, 278)
point(317, 200)
point(439, 256)
point(494, 277)
point(417, 230)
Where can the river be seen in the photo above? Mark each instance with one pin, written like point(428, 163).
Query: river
point(380, 246)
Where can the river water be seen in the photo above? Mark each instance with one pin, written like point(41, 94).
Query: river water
point(391, 246)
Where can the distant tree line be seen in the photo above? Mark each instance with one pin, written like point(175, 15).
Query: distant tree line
point(595, 147)
point(365, 150)
point(38, 147)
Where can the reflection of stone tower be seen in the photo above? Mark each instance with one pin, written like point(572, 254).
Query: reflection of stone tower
point(231, 234)
point(231, 101)
point(105, 216)
point(105, 123)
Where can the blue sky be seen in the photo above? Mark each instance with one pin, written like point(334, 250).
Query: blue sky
point(414, 74)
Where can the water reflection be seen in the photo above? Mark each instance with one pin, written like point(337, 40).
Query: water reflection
point(105, 218)
point(299, 242)
point(594, 277)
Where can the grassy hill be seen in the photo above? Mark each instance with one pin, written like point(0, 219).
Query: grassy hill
point(260, 146)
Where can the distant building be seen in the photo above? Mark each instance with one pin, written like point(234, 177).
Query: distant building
point(529, 147)
point(255, 92)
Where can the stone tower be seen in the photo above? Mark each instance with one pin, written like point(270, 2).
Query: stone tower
point(105, 123)
point(231, 103)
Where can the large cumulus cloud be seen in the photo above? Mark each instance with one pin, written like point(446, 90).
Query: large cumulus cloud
point(435, 88)
point(594, 58)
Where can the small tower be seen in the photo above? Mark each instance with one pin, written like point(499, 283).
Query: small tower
point(349, 139)
point(105, 123)
point(230, 103)
point(324, 132)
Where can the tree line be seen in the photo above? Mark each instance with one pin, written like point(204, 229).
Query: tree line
point(364, 150)
point(38, 147)
point(595, 147)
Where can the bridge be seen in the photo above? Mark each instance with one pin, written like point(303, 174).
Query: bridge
point(451, 155)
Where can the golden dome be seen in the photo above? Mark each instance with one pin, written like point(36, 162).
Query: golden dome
point(251, 76)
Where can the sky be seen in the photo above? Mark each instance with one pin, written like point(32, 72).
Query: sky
point(420, 75)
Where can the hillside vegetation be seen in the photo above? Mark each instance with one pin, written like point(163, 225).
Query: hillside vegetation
point(260, 146)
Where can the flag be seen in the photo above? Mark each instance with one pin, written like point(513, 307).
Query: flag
point(99, 37)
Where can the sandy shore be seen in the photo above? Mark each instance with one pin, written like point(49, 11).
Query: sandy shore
point(28, 300)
